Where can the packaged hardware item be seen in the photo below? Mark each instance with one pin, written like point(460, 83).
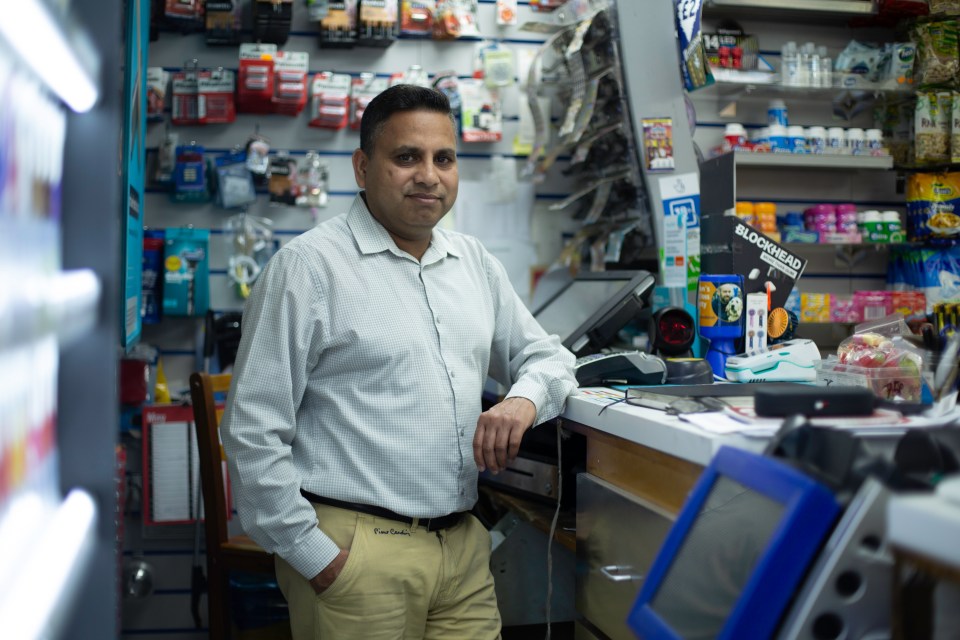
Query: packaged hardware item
point(151, 276)
point(186, 272)
point(416, 17)
point(338, 29)
point(157, 82)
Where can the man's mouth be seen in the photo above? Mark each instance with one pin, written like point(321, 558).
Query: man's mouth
point(424, 197)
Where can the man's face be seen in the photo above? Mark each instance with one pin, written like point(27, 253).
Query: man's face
point(411, 177)
point(726, 292)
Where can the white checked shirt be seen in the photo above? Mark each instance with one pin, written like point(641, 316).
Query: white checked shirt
point(359, 377)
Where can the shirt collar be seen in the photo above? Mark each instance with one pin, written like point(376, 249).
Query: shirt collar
point(372, 237)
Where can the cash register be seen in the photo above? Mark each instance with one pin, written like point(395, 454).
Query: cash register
point(587, 312)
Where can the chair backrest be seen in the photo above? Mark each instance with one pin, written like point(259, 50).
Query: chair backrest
point(203, 386)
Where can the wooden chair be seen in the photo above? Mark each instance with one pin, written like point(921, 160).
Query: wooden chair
point(225, 553)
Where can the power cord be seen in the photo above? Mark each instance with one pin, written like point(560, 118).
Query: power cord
point(553, 530)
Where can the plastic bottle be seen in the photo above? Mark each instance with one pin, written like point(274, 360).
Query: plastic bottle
point(779, 143)
point(797, 140)
point(777, 112)
point(765, 214)
point(810, 63)
point(745, 212)
point(734, 136)
point(835, 140)
point(816, 139)
point(872, 227)
point(874, 139)
point(790, 65)
point(826, 67)
point(892, 226)
point(856, 145)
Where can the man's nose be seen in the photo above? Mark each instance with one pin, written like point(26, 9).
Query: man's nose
point(426, 173)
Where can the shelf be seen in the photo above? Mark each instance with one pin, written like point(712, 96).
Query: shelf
point(812, 161)
point(758, 84)
point(810, 9)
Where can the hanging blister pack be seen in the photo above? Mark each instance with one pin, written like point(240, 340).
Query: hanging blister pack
point(157, 82)
point(251, 245)
point(186, 274)
point(190, 175)
point(313, 177)
point(233, 180)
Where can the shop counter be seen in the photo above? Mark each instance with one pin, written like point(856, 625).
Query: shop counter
point(645, 451)
point(640, 465)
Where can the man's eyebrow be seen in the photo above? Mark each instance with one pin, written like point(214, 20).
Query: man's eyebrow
point(449, 151)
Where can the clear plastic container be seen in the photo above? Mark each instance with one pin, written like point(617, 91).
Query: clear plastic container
point(826, 67)
point(810, 65)
point(790, 65)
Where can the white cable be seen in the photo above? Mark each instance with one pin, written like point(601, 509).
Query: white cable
point(553, 529)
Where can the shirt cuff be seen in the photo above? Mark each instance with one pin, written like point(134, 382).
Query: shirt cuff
point(533, 393)
point(313, 554)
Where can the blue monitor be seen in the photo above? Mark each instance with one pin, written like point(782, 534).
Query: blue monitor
point(739, 548)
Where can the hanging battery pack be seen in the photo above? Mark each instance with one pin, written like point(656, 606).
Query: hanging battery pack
point(338, 30)
point(271, 20)
point(378, 23)
point(223, 22)
point(190, 175)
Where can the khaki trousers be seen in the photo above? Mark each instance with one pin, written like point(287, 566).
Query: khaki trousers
point(399, 583)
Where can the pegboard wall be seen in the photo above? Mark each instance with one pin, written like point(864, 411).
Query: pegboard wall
point(176, 337)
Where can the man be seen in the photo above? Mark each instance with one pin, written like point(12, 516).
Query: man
point(354, 430)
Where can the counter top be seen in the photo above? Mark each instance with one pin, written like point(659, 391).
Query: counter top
point(653, 428)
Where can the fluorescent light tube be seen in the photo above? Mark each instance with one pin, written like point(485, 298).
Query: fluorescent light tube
point(40, 43)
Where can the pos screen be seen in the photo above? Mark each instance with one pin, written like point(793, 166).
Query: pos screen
point(589, 311)
point(740, 546)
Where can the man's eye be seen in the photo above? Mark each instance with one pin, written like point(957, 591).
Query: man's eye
point(444, 160)
point(406, 157)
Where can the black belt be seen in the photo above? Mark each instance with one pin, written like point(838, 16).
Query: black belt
point(430, 524)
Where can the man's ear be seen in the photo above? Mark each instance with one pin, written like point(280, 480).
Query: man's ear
point(360, 168)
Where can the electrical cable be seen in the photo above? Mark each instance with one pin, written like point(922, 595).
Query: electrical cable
point(553, 530)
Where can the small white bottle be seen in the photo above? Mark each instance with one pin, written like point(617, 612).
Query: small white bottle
point(874, 140)
point(826, 67)
point(790, 65)
point(855, 141)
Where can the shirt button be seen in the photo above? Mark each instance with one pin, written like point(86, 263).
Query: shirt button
point(452, 374)
point(462, 492)
point(438, 319)
point(461, 432)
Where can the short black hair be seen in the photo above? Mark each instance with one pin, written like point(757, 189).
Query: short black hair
point(399, 97)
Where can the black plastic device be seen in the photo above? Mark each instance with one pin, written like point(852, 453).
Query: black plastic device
point(625, 367)
point(814, 401)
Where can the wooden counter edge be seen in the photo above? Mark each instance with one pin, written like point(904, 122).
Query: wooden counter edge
point(661, 478)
